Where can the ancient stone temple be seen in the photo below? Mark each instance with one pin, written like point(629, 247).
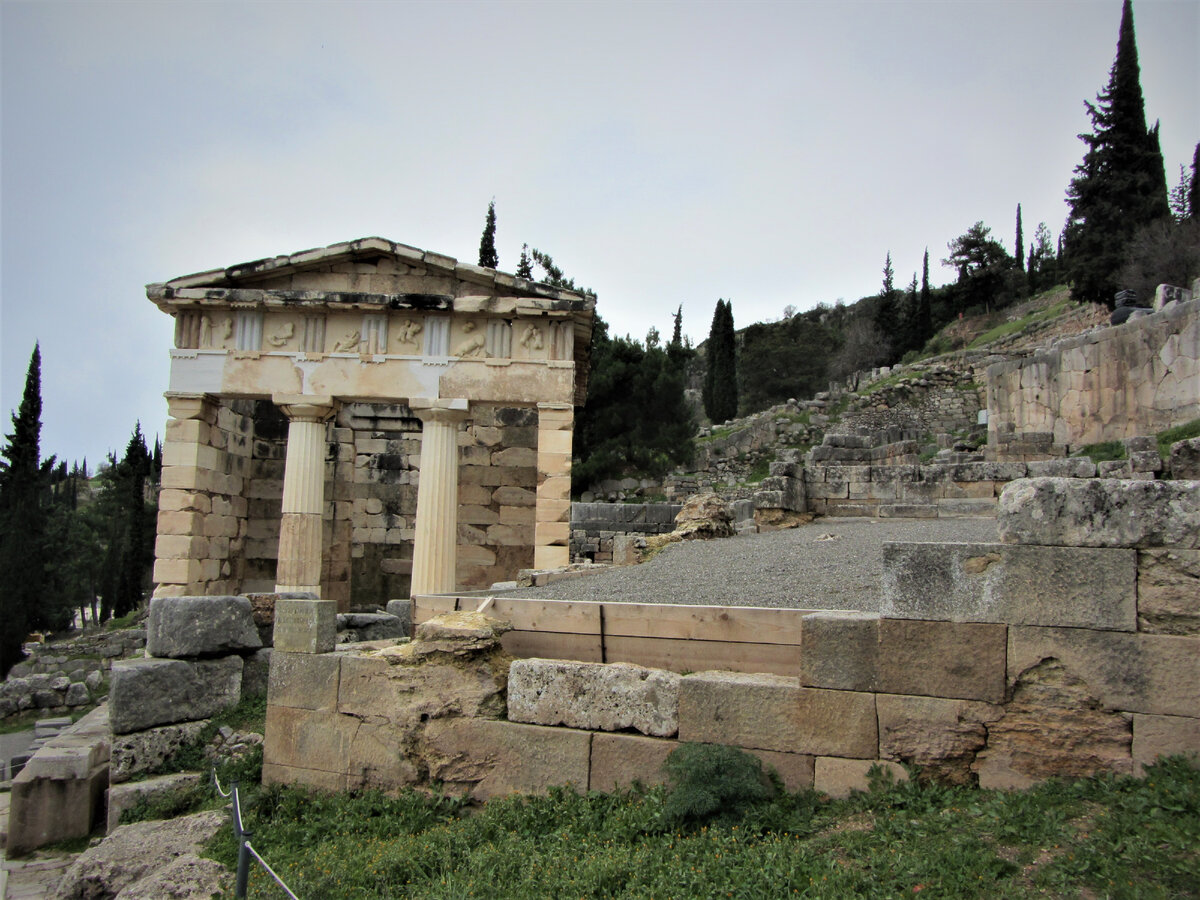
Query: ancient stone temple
point(366, 420)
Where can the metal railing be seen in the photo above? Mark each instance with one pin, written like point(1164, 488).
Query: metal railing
point(242, 836)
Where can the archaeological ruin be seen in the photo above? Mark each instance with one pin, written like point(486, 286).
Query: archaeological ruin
point(307, 394)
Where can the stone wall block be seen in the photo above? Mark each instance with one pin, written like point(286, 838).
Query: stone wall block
point(1141, 673)
point(753, 711)
point(485, 758)
point(836, 723)
point(594, 696)
point(1155, 736)
point(1064, 586)
point(144, 751)
point(1099, 512)
point(618, 760)
point(938, 734)
point(963, 661)
point(403, 696)
point(304, 680)
point(308, 739)
point(839, 777)
point(838, 650)
point(148, 692)
point(181, 627)
point(1168, 589)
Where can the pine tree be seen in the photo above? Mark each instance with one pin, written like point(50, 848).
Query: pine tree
point(1019, 245)
point(1120, 185)
point(525, 266)
point(887, 316)
point(720, 382)
point(24, 482)
point(487, 243)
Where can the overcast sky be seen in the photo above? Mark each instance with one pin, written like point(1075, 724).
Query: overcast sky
point(663, 153)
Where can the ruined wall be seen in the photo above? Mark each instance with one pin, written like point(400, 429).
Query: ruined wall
point(1070, 648)
point(1138, 378)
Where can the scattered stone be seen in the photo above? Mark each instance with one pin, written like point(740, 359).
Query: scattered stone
point(185, 627)
point(149, 692)
point(134, 852)
point(126, 796)
point(144, 751)
point(704, 516)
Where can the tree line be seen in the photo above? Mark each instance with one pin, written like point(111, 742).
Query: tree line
point(75, 546)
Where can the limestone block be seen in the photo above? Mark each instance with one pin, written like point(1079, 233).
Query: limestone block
point(952, 506)
point(1155, 736)
point(402, 610)
point(486, 758)
point(274, 773)
point(305, 626)
point(304, 680)
point(618, 760)
point(1185, 459)
point(1101, 513)
point(1055, 725)
point(937, 734)
point(795, 770)
point(941, 659)
point(378, 691)
point(374, 761)
point(181, 627)
point(1146, 673)
point(513, 496)
point(753, 711)
point(836, 723)
point(308, 739)
point(148, 692)
point(1168, 589)
point(1066, 586)
point(126, 796)
point(256, 669)
point(1066, 467)
point(594, 696)
point(144, 751)
point(838, 777)
point(838, 650)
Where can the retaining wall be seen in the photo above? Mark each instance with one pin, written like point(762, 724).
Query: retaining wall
point(1072, 647)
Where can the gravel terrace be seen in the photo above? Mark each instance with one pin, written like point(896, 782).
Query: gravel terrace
point(832, 563)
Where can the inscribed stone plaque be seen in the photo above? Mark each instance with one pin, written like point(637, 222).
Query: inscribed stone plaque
point(305, 626)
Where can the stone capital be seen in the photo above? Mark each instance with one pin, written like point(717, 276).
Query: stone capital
point(443, 411)
point(182, 405)
point(305, 407)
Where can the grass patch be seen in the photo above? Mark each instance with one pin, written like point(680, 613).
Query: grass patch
point(1006, 328)
point(1102, 452)
point(1178, 433)
point(758, 471)
point(723, 431)
point(129, 620)
point(1105, 836)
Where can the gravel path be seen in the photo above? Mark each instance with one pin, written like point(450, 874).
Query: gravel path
point(833, 563)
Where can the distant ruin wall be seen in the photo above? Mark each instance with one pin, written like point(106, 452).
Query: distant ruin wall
point(1138, 378)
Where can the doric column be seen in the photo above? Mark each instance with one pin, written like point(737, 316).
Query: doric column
point(300, 554)
point(552, 525)
point(435, 543)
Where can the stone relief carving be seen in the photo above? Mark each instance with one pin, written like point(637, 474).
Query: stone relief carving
point(349, 344)
point(473, 344)
point(281, 337)
point(408, 331)
point(226, 332)
point(531, 338)
point(206, 337)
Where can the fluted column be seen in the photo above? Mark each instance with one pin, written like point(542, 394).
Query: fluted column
point(300, 555)
point(435, 543)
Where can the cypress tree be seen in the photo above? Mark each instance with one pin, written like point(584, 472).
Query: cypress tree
point(487, 243)
point(1194, 190)
point(24, 479)
point(720, 380)
point(137, 545)
point(925, 304)
point(1019, 246)
point(1120, 185)
point(677, 331)
point(525, 266)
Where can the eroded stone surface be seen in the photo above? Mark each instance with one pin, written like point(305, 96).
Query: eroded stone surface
point(596, 696)
point(1168, 590)
point(1055, 725)
point(143, 751)
point(704, 516)
point(133, 852)
point(149, 692)
point(1100, 512)
point(182, 627)
point(940, 735)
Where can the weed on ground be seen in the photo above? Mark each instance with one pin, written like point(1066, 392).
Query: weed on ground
point(1099, 837)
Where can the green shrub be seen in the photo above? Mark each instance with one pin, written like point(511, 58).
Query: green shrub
point(709, 781)
point(1178, 433)
point(1102, 452)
